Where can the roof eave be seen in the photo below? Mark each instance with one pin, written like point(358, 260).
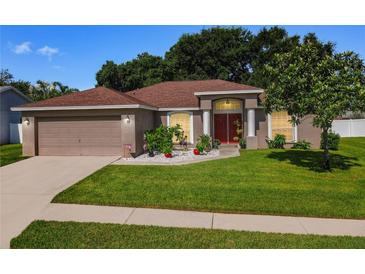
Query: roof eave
point(138, 106)
point(229, 92)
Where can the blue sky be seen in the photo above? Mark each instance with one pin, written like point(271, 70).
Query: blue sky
point(73, 54)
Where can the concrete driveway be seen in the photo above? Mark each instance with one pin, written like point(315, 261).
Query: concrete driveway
point(28, 186)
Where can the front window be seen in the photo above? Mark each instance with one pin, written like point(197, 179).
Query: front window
point(184, 119)
point(280, 124)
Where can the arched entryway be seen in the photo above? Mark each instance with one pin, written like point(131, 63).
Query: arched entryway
point(228, 122)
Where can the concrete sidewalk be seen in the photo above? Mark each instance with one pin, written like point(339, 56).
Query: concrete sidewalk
point(193, 219)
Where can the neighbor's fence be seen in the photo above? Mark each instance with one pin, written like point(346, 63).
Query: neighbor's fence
point(16, 136)
point(349, 128)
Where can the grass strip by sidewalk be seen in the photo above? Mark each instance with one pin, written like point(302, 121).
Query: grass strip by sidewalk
point(52, 234)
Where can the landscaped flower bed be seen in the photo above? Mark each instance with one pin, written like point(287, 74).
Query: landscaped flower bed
point(177, 156)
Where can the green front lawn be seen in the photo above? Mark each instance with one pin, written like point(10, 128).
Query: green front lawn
point(10, 154)
point(51, 234)
point(278, 182)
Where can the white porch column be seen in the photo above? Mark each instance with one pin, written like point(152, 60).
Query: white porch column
point(251, 122)
point(206, 122)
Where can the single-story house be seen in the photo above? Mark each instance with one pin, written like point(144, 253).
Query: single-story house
point(10, 97)
point(103, 121)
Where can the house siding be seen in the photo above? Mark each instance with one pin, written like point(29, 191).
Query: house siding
point(306, 131)
point(9, 99)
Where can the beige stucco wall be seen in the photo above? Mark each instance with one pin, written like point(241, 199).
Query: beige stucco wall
point(144, 121)
point(261, 126)
point(306, 131)
point(29, 135)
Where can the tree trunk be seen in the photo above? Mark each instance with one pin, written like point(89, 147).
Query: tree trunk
point(326, 155)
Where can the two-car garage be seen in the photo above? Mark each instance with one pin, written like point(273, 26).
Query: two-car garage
point(79, 135)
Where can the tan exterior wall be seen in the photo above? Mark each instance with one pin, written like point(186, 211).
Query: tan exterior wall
point(306, 131)
point(261, 126)
point(29, 136)
point(198, 124)
point(144, 121)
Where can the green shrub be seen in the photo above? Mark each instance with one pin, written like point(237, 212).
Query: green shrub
point(151, 140)
point(200, 147)
point(302, 145)
point(216, 143)
point(205, 142)
point(242, 143)
point(278, 142)
point(162, 138)
point(333, 140)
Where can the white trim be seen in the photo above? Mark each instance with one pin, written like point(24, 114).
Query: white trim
point(295, 133)
point(178, 109)
point(251, 122)
point(206, 121)
point(227, 92)
point(191, 122)
point(81, 107)
point(269, 126)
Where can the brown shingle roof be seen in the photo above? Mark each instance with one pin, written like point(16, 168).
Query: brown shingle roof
point(91, 97)
point(172, 94)
point(177, 94)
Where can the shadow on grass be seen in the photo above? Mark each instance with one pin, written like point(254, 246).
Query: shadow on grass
point(313, 160)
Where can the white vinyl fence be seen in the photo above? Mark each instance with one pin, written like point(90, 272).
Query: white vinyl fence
point(16, 136)
point(349, 128)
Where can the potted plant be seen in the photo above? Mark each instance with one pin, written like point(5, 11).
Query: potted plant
point(168, 153)
point(242, 143)
point(199, 148)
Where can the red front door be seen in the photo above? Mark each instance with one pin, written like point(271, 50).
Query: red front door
point(225, 128)
point(220, 127)
point(233, 119)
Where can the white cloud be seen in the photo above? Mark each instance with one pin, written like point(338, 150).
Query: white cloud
point(22, 48)
point(48, 51)
point(56, 67)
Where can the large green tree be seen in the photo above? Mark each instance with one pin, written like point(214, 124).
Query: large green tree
point(7, 79)
point(215, 53)
point(140, 72)
point(267, 43)
point(145, 70)
point(40, 91)
point(108, 76)
point(312, 79)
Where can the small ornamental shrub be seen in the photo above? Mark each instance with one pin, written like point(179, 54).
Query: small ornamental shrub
point(302, 145)
point(200, 147)
point(216, 143)
point(163, 137)
point(333, 141)
point(278, 141)
point(205, 141)
point(242, 143)
point(150, 142)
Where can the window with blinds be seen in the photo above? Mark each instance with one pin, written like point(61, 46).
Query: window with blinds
point(183, 119)
point(280, 124)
